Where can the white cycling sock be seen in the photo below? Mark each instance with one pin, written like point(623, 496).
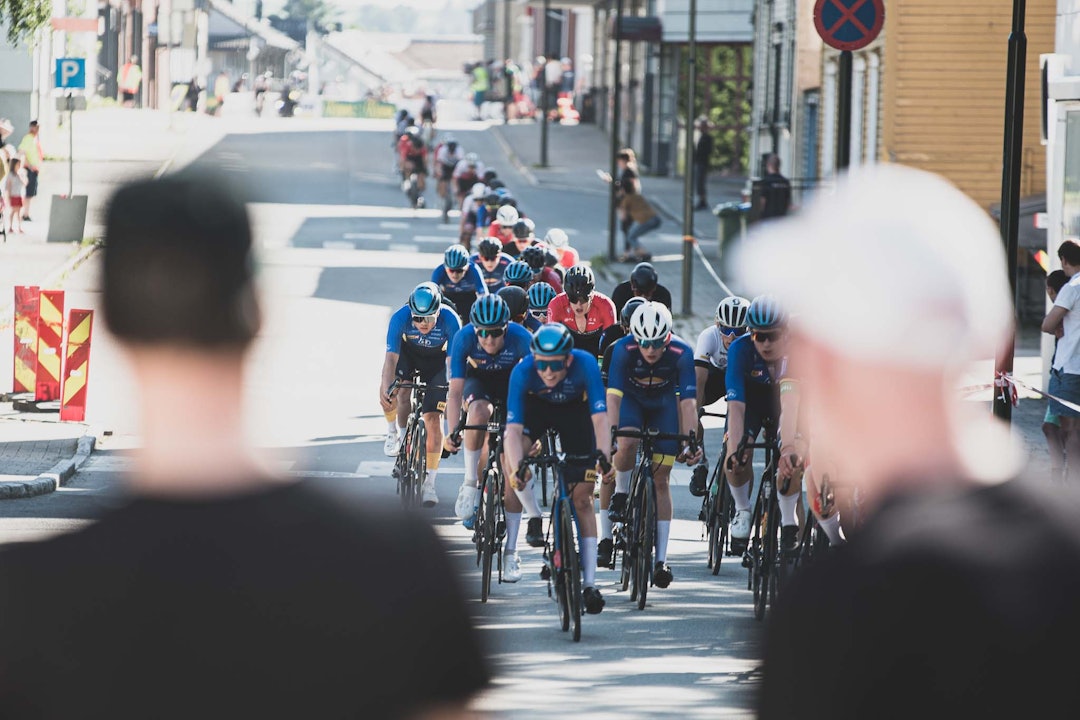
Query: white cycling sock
point(513, 527)
point(622, 481)
point(663, 532)
point(429, 478)
point(831, 526)
point(588, 561)
point(788, 503)
point(392, 426)
point(741, 496)
point(605, 525)
point(400, 431)
point(472, 457)
point(528, 500)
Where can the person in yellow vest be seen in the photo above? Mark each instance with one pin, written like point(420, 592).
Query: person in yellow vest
point(130, 80)
point(33, 157)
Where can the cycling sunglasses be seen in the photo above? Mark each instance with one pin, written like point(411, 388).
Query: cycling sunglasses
point(652, 344)
point(491, 332)
point(539, 313)
point(575, 298)
point(761, 336)
point(423, 318)
point(553, 365)
point(729, 331)
point(455, 271)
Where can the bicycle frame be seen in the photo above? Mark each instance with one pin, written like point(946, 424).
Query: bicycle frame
point(411, 464)
point(490, 526)
point(762, 553)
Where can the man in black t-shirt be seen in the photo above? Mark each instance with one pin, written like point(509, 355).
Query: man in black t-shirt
point(215, 589)
point(775, 190)
point(957, 590)
point(644, 282)
point(703, 151)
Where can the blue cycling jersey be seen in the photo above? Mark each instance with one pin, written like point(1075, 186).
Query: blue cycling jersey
point(673, 372)
point(748, 371)
point(532, 324)
point(403, 332)
point(582, 381)
point(468, 359)
point(472, 282)
point(493, 279)
point(483, 217)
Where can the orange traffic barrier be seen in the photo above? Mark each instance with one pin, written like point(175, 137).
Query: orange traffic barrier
point(26, 338)
point(76, 365)
point(50, 341)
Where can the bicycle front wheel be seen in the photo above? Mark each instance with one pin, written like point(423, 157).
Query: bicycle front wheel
point(419, 464)
point(487, 535)
point(766, 566)
point(559, 560)
point(720, 522)
point(646, 538)
point(572, 568)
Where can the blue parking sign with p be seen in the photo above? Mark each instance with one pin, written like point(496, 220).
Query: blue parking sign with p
point(71, 73)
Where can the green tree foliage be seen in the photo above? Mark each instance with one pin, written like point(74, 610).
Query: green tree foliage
point(24, 17)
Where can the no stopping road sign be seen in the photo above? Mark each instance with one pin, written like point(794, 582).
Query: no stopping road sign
point(849, 24)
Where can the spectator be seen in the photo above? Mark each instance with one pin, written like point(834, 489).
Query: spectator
point(644, 282)
point(1063, 322)
point(643, 219)
point(129, 81)
point(552, 82)
point(213, 584)
point(479, 87)
point(775, 190)
point(33, 158)
point(13, 192)
point(703, 151)
point(191, 97)
point(1051, 427)
point(945, 597)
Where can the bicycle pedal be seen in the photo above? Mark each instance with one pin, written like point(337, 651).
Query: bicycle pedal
point(747, 561)
point(545, 572)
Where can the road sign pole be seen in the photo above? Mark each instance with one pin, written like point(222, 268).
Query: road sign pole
point(544, 90)
point(71, 146)
point(614, 127)
point(688, 175)
point(1010, 188)
point(843, 112)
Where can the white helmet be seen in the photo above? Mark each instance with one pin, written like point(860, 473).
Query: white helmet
point(557, 238)
point(731, 312)
point(471, 159)
point(651, 322)
point(506, 216)
point(479, 190)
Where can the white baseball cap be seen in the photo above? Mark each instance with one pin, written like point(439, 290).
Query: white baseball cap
point(895, 265)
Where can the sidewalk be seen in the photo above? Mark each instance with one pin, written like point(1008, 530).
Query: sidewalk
point(111, 146)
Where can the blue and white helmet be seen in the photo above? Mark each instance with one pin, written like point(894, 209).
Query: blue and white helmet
point(518, 273)
point(540, 295)
point(425, 299)
point(765, 313)
point(456, 257)
point(552, 339)
point(490, 311)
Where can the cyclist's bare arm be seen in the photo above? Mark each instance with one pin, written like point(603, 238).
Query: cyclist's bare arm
point(389, 367)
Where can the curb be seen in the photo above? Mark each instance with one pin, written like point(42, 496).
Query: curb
point(56, 476)
point(530, 177)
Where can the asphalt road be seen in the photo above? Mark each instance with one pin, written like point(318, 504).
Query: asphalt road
point(339, 251)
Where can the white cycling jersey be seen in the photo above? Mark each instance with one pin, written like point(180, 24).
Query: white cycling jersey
point(710, 348)
point(443, 156)
point(463, 167)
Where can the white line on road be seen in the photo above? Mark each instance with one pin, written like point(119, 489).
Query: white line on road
point(669, 238)
point(338, 245)
point(441, 239)
point(368, 236)
point(393, 225)
point(402, 247)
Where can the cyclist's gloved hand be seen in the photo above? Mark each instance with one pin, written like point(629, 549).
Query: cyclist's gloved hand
point(451, 444)
point(790, 464)
point(387, 403)
point(519, 479)
point(736, 458)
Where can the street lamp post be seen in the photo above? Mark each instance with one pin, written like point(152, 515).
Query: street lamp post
point(778, 53)
point(615, 110)
point(544, 88)
point(688, 170)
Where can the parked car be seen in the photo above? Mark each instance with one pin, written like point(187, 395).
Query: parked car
point(1030, 275)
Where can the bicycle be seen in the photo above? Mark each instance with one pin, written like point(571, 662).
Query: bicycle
point(410, 467)
point(636, 535)
point(717, 509)
point(562, 560)
point(489, 529)
point(411, 187)
point(812, 539)
point(548, 446)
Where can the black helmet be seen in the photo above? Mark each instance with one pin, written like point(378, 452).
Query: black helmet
point(491, 199)
point(643, 278)
point(516, 299)
point(533, 256)
point(628, 311)
point(494, 183)
point(489, 248)
point(488, 176)
point(521, 229)
point(508, 200)
point(579, 280)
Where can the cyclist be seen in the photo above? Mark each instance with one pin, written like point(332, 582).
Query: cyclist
point(481, 358)
point(458, 280)
point(540, 296)
point(644, 282)
point(502, 227)
point(755, 364)
point(521, 238)
point(583, 309)
point(616, 332)
point(518, 301)
point(559, 387)
point(651, 385)
point(710, 366)
point(467, 172)
point(469, 207)
point(492, 263)
point(447, 155)
point(557, 239)
point(416, 343)
point(519, 274)
point(485, 212)
point(414, 159)
point(535, 256)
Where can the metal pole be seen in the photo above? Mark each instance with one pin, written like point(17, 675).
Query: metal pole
point(688, 174)
point(778, 51)
point(616, 100)
point(71, 146)
point(508, 83)
point(1010, 185)
point(843, 113)
point(544, 91)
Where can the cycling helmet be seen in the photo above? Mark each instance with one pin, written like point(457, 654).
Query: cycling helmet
point(579, 280)
point(450, 139)
point(412, 130)
point(765, 313)
point(471, 159)
point(489, 175)
point(550, 258)
point(508, 199)
point(540, 296)
point(552, 339)
point(521, 229)
point(557, 238)
point(479, 190)
point(518, 273)
point(501, 191)
point(533, 256)
point(456, 257)
point(495, 183)
point(425, 299)
point(489, 311)
point(451, 145)
point(489, 248)
point(628, 311)
point(515, 299)
point(643, 277)
point(731, 312)
point(650, 322)
point(506, 216)
point(491, 199)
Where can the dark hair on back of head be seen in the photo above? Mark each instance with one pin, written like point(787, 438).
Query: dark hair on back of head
point(1069, 251)
point(178, 268)
point(1056, 280)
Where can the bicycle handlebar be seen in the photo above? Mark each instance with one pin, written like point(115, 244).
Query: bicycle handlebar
point(551, 460)
point(705, 413)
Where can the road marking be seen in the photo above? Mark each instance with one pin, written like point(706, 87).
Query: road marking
point(394, 225)
point(441, 239)
point(666, 258)
point(402, 247)
point(669, 238)
point(338, 245)
point(368, 236)
point(448, 226)
point(317, 474)
point(375, 467)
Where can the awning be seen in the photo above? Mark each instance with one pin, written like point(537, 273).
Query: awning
point(228, 26)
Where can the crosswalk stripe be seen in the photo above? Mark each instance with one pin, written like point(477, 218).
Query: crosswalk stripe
point(402, 247)
point(338, 245)
point(368, 236)
point(442, 239)
point(393, 225)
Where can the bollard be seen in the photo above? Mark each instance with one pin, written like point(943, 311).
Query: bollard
point(50, 332)
point(76, 366)
point(26, 338)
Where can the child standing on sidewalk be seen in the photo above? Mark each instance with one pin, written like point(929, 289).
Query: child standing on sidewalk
point(15, 192)
point(1051, 427)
